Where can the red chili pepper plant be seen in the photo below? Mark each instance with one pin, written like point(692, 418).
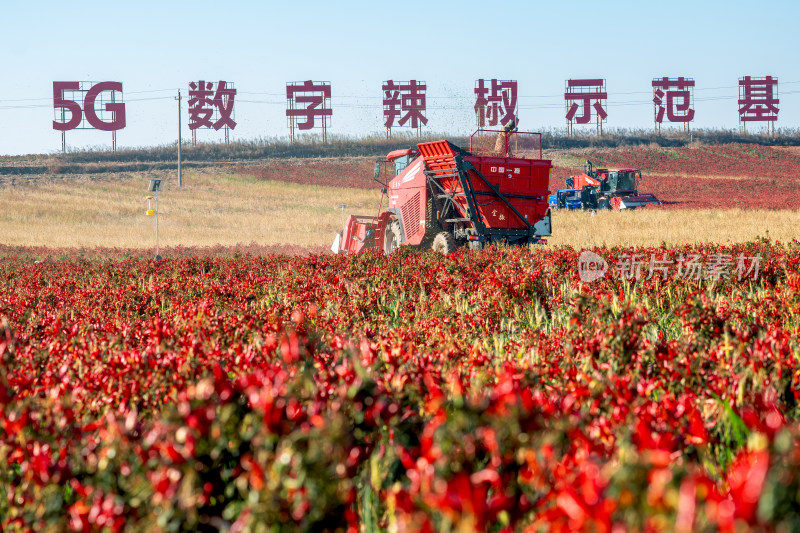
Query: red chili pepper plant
point(487, 390)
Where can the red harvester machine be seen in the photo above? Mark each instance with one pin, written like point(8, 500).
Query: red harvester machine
point(610, 188)
point(442, 196)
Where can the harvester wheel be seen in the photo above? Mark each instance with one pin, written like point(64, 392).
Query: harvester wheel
point(444, 243)
point(603, 203)
point(432, 226)
point(391, 238)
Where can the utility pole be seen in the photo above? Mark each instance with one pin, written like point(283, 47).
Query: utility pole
point(154, 187)
point(158, 256)
point(180, 171)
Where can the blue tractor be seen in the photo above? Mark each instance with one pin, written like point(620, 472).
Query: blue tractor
point(565, 199)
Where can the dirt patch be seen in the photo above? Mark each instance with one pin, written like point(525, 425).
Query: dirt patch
point(354, 172)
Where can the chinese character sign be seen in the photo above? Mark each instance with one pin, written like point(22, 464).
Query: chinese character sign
point(579, 95)
point(673, 97)
point(308, 100)
point(211, 107)
point(758, 99)
point(88, 105)
point(410, 97)
point(497, 103)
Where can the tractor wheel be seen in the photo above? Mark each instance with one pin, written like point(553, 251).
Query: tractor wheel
point(391, 238)
point(444, 243)
point(603, 203)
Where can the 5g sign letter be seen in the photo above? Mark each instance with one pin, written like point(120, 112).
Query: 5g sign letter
point(105, 115)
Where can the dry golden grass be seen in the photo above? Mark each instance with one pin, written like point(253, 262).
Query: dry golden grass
point(218, 207)
point(648, 227)
point(213, 207)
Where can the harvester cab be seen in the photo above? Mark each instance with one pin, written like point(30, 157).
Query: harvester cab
point(395, 162)
point(441, 196)
point(623, 180)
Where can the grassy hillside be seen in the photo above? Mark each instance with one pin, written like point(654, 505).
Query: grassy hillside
point(165, 157)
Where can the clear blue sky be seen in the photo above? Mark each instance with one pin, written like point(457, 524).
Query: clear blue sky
point(155, 48)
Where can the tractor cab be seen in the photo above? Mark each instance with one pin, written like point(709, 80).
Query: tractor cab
point(623, 179)
point(565, 199)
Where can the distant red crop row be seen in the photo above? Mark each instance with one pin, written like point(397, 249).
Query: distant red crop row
point(742, 160)
point(486, 390)
point(721, 176)
point(351, 172)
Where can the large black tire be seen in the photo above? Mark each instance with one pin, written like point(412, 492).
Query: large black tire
point(444, 243)
point(603, 203)
point(391, 238)
point(589, 198)
point(432, 226)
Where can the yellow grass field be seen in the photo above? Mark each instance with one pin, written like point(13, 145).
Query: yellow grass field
point(220, 207)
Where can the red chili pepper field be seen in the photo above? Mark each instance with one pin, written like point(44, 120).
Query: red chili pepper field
point(488, 390)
